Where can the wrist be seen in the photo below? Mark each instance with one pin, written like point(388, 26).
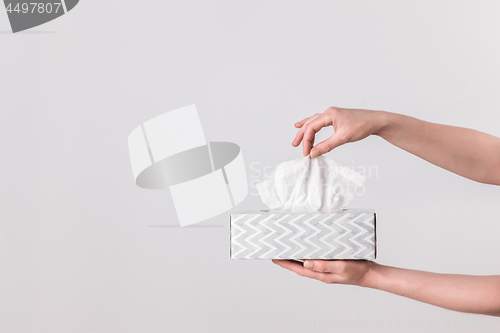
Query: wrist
point(382, 122)
point(371, 278)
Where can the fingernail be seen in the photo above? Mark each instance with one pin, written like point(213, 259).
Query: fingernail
point(309, 264)
point(315, 153)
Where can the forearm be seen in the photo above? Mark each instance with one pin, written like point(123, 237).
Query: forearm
point(466, 152)
point(465, 293)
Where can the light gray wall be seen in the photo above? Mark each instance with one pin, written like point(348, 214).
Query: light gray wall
point(79, 250)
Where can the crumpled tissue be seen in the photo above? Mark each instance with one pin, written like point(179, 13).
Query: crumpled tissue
point(307, 185)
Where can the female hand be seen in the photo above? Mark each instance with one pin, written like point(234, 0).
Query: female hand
point(349, 125)
point(355, 272)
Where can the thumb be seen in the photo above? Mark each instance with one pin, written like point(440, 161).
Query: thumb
point(326, 146)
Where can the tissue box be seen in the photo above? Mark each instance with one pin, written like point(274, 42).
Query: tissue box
point(346, 234)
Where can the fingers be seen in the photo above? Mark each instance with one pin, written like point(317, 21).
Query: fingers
point(300, 133)
point(301, 270)
point(326, 146)
point(301, 123)
point(310, 130)
point(298, 138)
point(326, 266)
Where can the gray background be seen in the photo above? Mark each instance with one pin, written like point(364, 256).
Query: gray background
point(79, 250)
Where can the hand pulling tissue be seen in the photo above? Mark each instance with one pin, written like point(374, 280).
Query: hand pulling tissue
point(308, 185)
point(307, 218)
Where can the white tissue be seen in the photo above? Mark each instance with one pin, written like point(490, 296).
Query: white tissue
point(310, 185)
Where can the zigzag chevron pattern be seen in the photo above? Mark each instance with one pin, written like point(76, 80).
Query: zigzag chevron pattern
point(266, 235)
